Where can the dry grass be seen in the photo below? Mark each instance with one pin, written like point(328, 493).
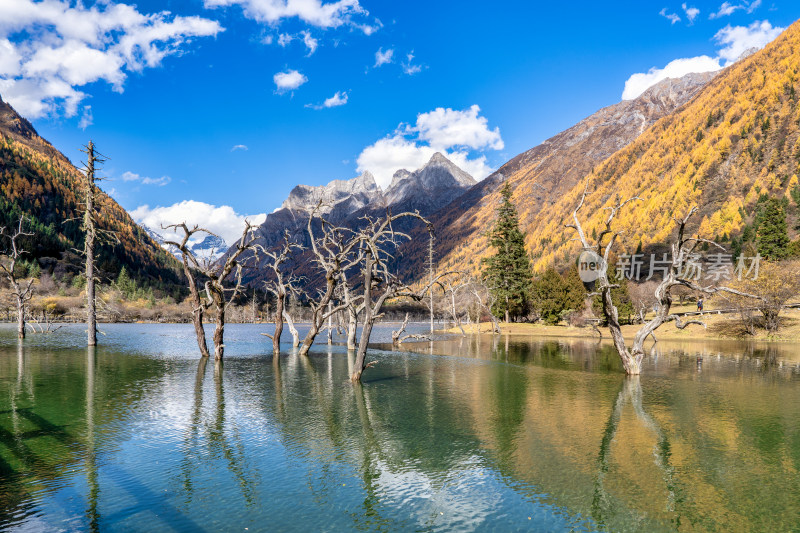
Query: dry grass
point(718, 327)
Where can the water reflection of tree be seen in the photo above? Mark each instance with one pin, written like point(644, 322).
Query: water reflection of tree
point(605, 508)
point(92, 513)
point(221, 436)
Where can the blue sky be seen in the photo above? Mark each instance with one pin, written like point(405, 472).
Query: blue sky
point(187, 104)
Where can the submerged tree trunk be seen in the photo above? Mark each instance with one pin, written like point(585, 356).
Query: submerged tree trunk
point(318, 316)
point(219, 313)
point(369, 319)
point(20, 318)
point(276, 337)
point(292, 329)
point(197, 310)
point(352, 328)
point(631, 361)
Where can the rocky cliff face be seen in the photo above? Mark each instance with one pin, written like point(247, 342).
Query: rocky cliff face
point(433, 186)
point(345, 202)
point(337, 199)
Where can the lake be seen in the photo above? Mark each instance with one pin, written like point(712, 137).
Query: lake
point(461, 434)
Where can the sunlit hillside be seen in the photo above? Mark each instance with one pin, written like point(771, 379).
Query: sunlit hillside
point(38, 181)
point(738, 139)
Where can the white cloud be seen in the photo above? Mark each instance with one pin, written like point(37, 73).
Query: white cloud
point(382, 58)
point(672, 17)
point(459, 135)
point(691, 12)
point(144, 180)
point(310, 42)
point(221, 220)
point(86, 118)
point(284, 39)
point(288, 81)
point(677, 68)
point(313, 12)
point(239, 147)
point(725, 9)
point(734, 41)
point(410, 68)
point(728, 9)
point(443, 128)
point(51, 48)
point(738, 39)
point(338, 99)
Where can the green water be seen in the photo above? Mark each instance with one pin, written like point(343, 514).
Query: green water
point(474, 434)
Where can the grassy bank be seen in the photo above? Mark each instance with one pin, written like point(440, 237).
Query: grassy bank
point(718, 327)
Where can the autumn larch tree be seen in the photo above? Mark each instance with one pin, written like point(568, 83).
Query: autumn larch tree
point(508, 272)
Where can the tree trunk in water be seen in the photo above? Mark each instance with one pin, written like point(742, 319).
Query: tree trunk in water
point(631, 362)
point(219, 333)
point(317, 318)
point(276, 337)
point(369, 319)
point(361, 356)
point(197, 311)
point(352, 328)
point(91, 311)
point(292, 329)
point(20, 318)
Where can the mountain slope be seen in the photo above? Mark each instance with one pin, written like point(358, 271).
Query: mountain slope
point(738, 139)
point(544, 174)
point(346, 202)
point(38, 181)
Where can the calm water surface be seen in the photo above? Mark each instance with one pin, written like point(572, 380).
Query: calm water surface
point(457, 435)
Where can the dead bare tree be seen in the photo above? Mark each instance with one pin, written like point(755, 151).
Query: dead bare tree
point(397, 334)
point(485, 299)
point(674, 276)
point(90, 235)
point(216, 274)
point(9, 259)
point(333, 254)
point(452, 287)
point(375, 243)
point(45, 325)
point(189, 262)
point(280, 286)
point(354, 305)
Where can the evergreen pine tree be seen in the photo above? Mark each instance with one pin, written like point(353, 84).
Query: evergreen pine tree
point(508, 271)
point(772, 237)
point(554, 295)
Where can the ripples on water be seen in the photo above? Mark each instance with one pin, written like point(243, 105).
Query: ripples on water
point(481, 433)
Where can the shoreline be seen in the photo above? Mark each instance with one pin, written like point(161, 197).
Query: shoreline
point(718, 329)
